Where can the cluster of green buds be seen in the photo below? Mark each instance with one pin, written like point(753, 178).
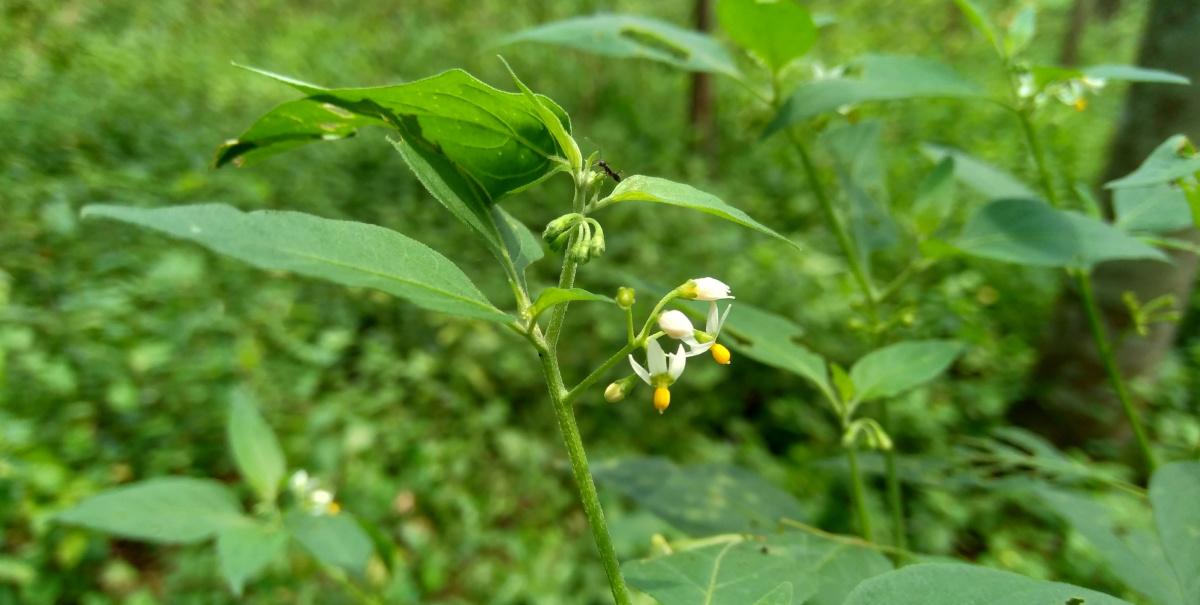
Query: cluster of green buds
point(581, 236)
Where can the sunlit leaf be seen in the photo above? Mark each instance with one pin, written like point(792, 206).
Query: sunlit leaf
point(896, 368)
point(255, 447)
point(1132, 73)
point(557, 296)
point(957, 584)
point(169, 509)
point(1175, 496)
point(349, 253)
point(775, 33)
point(980, 21)
point(335, 540)
point(838, 564)
point(497, 138)
point(1020, 31)
point(701, 499)
point(1153, 209)
point(243, 551)
point(882, 78)
point(986, 179)
point(774, 340)
point(662, 191)
point(633, 37)
point(735, 573)
point(1172, 160)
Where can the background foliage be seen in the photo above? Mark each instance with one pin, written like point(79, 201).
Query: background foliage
point(119, 355)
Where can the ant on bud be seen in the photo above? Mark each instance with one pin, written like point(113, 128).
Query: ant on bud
point(613, 174)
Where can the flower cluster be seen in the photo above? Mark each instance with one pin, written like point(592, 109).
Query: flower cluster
point(311, 497)
point(1072, 92)
point(663, 369)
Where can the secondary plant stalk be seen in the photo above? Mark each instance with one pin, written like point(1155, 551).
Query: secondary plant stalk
point(1095, 322)
point(858, 492)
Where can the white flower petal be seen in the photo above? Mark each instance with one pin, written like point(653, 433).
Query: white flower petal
point(678, 361)
point(724, 316)
point(675, 324)
point(639, 370)
point(655, 358)
point(700, 348)
point(708, 288)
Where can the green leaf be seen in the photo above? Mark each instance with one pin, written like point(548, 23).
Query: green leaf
point(522, 246)
point(1175, 495)
point(497, 138)
point(255, 448)
point(776, 33)
point(169, 510)
point(653, 189)
point(934, 200)
point(1172, 160)
point(883, 78)
point(1154, 209)
point(335, 540)
point(1132, 554)
point(1131, 73)
point(1030, 232)
point(245, 550)
point(735, 573)
point(984, 178)
point(1020, 31)
point(633, 37)
point(980, 21)
point(896, 368)
point(701, 499)
point(552, 122)
point(349, 253)
point(958, 584)
point(838, 564)
point(557, 296)
point(774, 340)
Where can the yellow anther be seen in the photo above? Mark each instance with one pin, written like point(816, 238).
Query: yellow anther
point(721, 354)
point(334, 508)
point(662, 399)
point(1080, 104)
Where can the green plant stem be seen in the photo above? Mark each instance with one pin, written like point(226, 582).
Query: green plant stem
point(583, 476)
point(599, 372)
point(1104, 347)
point(1083, 278)
point(859, 494)
point(894, 497)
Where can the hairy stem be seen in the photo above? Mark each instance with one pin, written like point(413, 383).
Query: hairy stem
point(894, 496)
point(1104, 347)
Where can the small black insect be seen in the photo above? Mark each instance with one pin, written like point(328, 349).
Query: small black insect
point(613, 174)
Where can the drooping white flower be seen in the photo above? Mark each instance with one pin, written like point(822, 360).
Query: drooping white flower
point(712, 329)
point(675, 324)
point(663, 370)
point(706, 288)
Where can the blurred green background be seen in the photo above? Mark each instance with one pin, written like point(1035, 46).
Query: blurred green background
point(119, 349)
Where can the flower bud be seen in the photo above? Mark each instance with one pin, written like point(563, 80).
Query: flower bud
point(625, 297)
point(558, 231)
point(705, 288)
point(675, 324)
point(615, 392)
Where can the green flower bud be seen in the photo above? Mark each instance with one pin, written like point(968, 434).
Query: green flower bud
point(625, 297)
point(558, 231)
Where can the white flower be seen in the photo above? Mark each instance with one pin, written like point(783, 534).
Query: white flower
point(712, 328)
point(676, 325)
point(1025, 85)
point(706, 288)
point(664, 370)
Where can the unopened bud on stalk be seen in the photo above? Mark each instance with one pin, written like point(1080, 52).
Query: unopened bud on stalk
point(625, 297)
point(558, 231)
point(619, 389)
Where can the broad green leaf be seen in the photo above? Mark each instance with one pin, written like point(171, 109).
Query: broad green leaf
point(838, 564)
point(896, 368)
point(255, 448)
point(169, 510)
point(882, 78)
point(497, 138)
point(1132, 554)
point(349, 253)
point(1174, 159)
point(633, 37)
point(857, 149)
point(984, 178)
point(934, 199)
point(1132, 73)
point(653, 189)
point(775, 33)
point(1030, 232)
point(701, 499)
point(522, 246)
point(1175, 496)
point(335, 540)
point(980, 21)
point(557, 296)
point(959, 584)
point(567, 144)
point(245, 550)
point(735, 573)
point(774, 340)
point(1020, 31)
